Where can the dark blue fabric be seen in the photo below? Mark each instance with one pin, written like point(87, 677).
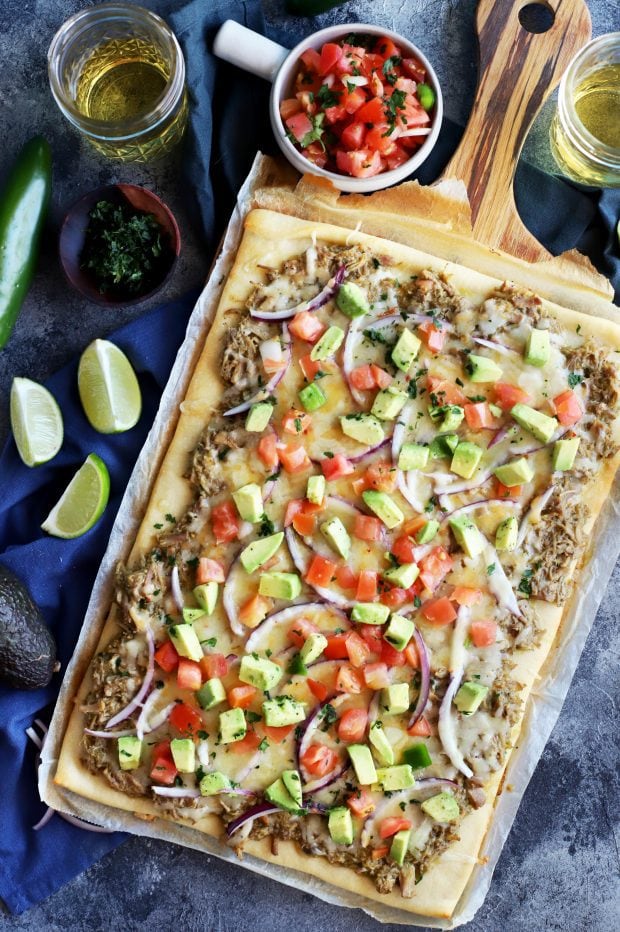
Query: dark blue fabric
point(228, 124)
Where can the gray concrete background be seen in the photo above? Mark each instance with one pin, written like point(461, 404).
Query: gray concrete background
point(559, 868)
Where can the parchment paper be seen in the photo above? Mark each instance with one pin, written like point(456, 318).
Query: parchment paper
point(542, 709)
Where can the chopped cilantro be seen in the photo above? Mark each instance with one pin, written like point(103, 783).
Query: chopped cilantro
point(170, 518)
point(574, 378)
point(158, 527)
point(327, 98)
point(388, 68)
point(490, 569)
point(263, 745)
point(316, 133)
point(266, 526)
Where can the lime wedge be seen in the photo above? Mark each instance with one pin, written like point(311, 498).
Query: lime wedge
point(83, 501)
point(36, 421)
point(108, 388)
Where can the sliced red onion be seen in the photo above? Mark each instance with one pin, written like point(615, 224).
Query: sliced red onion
point(301, 564)
point(49, 812)
point(109, 734)
point(267, 390)
point(500, 435)
point(446, 725)
point(429, 319)
point(432, 784)
point(537, 506)
point(261, 809)
point(146, 682)
point(287, 614)
point(268, 488)
point(303, 738)
point(425, 678)
point(228, 601)
point(232, 658)
point(407, 493)
point(325, 295)
point(145, 727)
point(249, 767)
point(416, 131)
point(348, 357)
point(499, 347)
point(373, 709)
point(323, 782)
point(175, 587)
point(176, 792)
point(499, 584)
point(472, 506)
point(360, 457)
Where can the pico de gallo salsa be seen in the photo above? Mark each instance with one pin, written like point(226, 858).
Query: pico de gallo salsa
point(360, 106)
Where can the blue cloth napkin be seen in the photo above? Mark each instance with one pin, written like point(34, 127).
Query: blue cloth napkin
point(228, 123)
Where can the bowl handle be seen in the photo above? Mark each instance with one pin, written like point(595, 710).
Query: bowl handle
point(248, 50)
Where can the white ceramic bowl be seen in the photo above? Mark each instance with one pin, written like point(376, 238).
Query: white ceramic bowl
point(271, 61)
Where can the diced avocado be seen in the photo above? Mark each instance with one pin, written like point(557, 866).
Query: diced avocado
point(335, 533)
point(516, 472)
point(482, 369)
point(315, 491)
point(312, 396)
point(443, 446)
point(466, 459)
point(469, 697)
point(564, 453)
point(507, 534)
point(399, 632)
point(383, 507)
point(129, 751)
point(388, 403)
point(400, 846)
point(442, 808)
point(538, 348)
point(365, 428)
point(259, 551)
point(417, 756)
point(383, 749)
point(206, 595)
point(351, 300)
point(340, 825)
point(363, 764)
point(370, 613)
point(395, 778)
point(183, 754)
point(186, 641)
point(406, 349)
point(260, 672)
point(427, 533)
point(280, 585)
point(192, 614)
point(328, 344)
point(258, 417)
point(314, 646)
point(279, 795)
point(249, 502)
point(412, 456)
point(283, 710)
point(292, 781)
point(214, 783)
point(211, 693)
point(395, 698)
point(402, 576)
point(467, 535)
point(232, 726)
point(495, 410)
point(452, 418)
point(540, 425)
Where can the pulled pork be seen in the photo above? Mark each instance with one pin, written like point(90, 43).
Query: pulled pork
point(556, 541)
point(241, 356)
point(431, 292)
point(218, 438)
point(601, 383)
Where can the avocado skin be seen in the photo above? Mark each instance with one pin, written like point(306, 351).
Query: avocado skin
point(27, 648)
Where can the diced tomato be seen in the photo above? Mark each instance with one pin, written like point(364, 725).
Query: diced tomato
point(387, 49)
point(304, 524)
point(397, 157)
point(306, 99)
point(185, 719)
point(382, 378)
point(306, 326)
point(362, 378)
point(483, 632)
point(361, 804)
point(241, 697)
point(274, 365)
point(166, 656)
point(403, 549)
point(346, 578)
point(310, 367)
point(277, 734)
point(316, 154)
point(366, 528)
point(311, 59)
point(359, 484)
point(394, 597)
point(352, 725)
point(163, 769)
point(336, 467)
point(321, 571)
point(349, 680)
point(294, 507)
point(376, 675)
point(366, 586)
point(352, 101)
point(209, 571)
point(336, 647)
point(421, 729)
point(447, 393)
point(567, 408)
point(381, 476)
point(296, 422)
point(439, 611)
point(330, 57)
point(189, 674)
point(408, 85)
point(360, 163)
point(225, 522)
point(319, 690)
point(357, 649)
point(432, 336)
point(335, 114)
point(289, 108)
point(434, 567)
point(319, 760)
point(254, 611)
point(392, 825)
point(214, 666)
point(353, 138)
point(373, 635)
point(293, 459)
point(300, 631)
point(299, 125)
point(464, 595)
point(414, 69)
point(267, 450)
point(411, 655)
point(392, 657)
point(372, 112)
point(507, 396)
point(506, 491)
point(479, 416)
point(248, 743)
point(378, 139)
point(381, 852)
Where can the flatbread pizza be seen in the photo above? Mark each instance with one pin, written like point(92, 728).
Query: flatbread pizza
point(355, 560)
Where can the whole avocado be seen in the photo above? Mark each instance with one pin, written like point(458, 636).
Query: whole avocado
point(27, 648)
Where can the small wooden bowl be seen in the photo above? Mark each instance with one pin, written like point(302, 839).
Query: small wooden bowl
point(73, 232)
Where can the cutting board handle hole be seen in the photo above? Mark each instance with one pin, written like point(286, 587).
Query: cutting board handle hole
point(536, 17)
